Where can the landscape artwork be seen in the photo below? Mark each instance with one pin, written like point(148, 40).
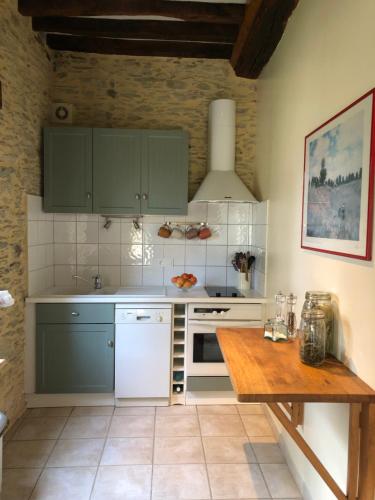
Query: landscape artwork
point(338, 183)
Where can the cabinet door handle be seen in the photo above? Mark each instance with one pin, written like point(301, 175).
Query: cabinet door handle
point(88, 195)
point(137, 196)
point(110, 343)
point(145, 196)
point(75, 313)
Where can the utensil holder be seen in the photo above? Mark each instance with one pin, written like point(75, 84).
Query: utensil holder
point(243, 283)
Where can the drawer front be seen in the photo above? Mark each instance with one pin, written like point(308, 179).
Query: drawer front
point(75, 313)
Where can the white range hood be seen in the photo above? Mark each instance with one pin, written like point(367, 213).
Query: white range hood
point(221, 182)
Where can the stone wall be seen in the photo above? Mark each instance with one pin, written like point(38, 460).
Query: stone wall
point(141, 92)
point(25, 74)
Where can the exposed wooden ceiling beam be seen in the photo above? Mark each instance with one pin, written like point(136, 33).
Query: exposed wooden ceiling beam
point(187, 11)
point(145, 29)
point(139, 47)
point(261, 30)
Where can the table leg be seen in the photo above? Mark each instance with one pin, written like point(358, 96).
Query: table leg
point(366, 479)
point(354, 450)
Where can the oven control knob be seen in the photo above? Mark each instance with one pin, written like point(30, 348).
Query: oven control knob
point(160, 318)
point(214, 313)
point(222, 313)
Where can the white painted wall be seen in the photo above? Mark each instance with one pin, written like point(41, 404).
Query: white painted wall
point(323, 63)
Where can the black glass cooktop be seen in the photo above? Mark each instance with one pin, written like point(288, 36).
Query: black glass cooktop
point(223, 291)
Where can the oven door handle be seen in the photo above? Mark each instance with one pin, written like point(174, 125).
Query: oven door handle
point(226, 324)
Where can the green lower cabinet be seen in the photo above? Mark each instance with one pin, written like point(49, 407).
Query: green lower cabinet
point(74, 358)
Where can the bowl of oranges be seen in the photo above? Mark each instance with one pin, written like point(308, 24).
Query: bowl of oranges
point(184, 281)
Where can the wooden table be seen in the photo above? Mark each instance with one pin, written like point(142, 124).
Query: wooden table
point(272, 373)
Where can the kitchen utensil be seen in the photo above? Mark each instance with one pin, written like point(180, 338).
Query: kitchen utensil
point(177, 233)
point(204, 232)
point(191, 233)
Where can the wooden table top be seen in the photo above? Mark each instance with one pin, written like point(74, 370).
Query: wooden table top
point(266, 371)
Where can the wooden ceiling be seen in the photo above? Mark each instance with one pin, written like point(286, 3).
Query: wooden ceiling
point(246, 34)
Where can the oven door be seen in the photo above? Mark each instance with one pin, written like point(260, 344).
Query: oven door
point(204, 357)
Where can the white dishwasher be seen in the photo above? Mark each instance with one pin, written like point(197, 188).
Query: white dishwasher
point(142, 350)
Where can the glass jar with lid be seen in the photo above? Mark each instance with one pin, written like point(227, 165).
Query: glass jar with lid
point(313, 337)
point(322, 300)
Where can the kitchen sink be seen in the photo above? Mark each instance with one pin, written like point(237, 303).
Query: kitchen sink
point(136, 292)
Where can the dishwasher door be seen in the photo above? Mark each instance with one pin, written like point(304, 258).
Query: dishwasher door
point(143, 353)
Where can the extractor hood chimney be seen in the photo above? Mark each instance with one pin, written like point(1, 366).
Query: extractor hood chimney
point(221, 182)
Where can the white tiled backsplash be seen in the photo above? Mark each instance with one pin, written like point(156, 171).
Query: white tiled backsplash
point(62, 245)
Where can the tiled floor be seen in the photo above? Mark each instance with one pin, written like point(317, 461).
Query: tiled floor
point(169, 453)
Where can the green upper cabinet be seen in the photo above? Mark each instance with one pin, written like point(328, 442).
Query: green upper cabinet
point(68, 169)
point(116, 171)
point(165, 161)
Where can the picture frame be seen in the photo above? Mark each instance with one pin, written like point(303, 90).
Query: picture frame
point(338, 182)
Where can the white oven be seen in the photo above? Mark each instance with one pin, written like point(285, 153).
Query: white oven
point(204, 358)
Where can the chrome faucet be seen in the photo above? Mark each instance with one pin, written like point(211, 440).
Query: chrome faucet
point(97, 280)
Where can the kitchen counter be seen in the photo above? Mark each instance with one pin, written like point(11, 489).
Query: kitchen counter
point(140, 295)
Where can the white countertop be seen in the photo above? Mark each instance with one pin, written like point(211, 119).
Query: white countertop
point(140, 294)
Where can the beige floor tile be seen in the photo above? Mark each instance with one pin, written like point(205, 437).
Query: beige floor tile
point(123, 483)
point(232, 481)
point(135, 410)
point(228, 450)
point(27, 453)
point(280, 481)
point(127, 451)
point(217, 410)
point(174, 482)
point(257, 425)
point(92, 411)
point(250, 409)
point(40, 428)
point(132, 426)
point(178, 450)
point(86, 427)
point(266, 450)
point(63, 411)
point(76, 452)
point(176, 410)
point(18, 483)
point(221, 425)
point(177, 426)
point(66, 483)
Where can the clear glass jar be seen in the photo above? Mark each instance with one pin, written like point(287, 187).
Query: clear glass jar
point(322, 300)
point(313, 337)
point(291, 321)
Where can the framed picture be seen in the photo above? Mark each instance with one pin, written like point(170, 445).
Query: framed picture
point(339, 182)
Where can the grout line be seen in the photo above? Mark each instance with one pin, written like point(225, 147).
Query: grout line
point(204, 454)
point(105, 441)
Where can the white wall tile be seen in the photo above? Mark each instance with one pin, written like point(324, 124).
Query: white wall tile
point(34, 207)
point(216, 255)
point(259, 282)
point(111, 275)
point(131, 276)
point(45, 232)
point(87, 254)
point(238, 234)
point(129, 234)
point(32, 233)
point(49, 255)
point(176, 253)
point(37, 257)
point(131, 255)
point(110, 235)
point(259, 236)
point(65, 253)
point(150, 234)
point(109, 254)
point(251, 212)
point(64, 232)
point(65, 217)
point(87, 232)
point(232, 277)
point(152, 255)
point(153, 276)
point(217, 213)
point(216, 276)
point(199, 272)
point(197, 212)
point(238, 213)
point(195, 256)
point(88, 218)
point(63, 276)
point(219, 235)
point(36, 281)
